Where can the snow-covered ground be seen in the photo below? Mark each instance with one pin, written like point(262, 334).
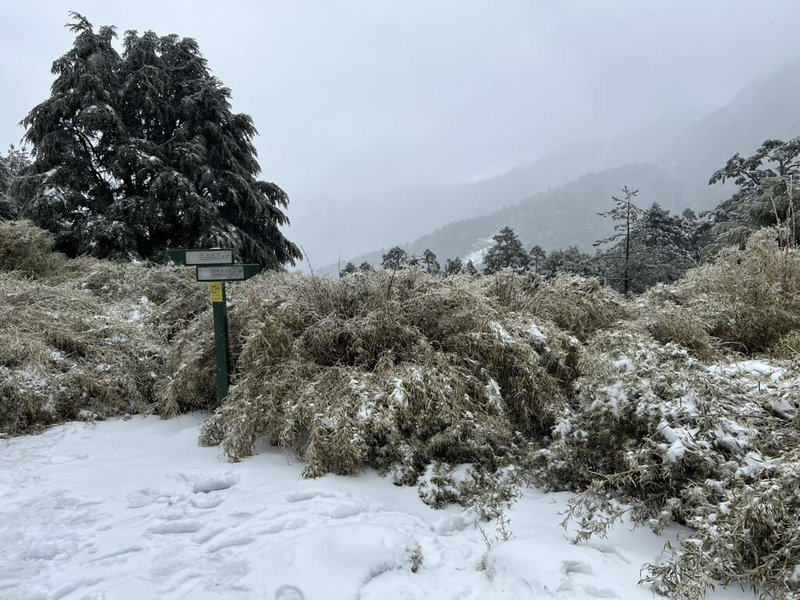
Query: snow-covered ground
point(136, 510)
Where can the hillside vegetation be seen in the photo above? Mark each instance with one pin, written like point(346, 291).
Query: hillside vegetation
point(676, 406)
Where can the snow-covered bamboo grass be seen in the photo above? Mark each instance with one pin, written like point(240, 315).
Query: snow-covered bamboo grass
point(82, 339)
point(678, 406)
point(393, 370)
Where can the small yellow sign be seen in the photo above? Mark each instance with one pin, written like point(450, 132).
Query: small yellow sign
point(215, 287)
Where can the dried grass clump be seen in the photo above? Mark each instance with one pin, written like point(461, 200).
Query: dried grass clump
point(512, 289)
point(83, 338)
point(26, 249)
point(748, 298)
point(190, 382)
point(173, 294)
point(168, 297)
point(579, 305)
point(65, 355)
point(788, 346)
point(668, 321)
point(392, 370)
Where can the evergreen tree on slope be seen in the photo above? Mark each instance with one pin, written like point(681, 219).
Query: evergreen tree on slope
point(625, 214)
point(506, 252)
point(429, 262)
point(348, 269)
point(12, 167)
point(138, 152)
point(661, 251)
point(395, 259)
point(767, 195)
point(570, 260)
point(538, 255)
point(453, 266)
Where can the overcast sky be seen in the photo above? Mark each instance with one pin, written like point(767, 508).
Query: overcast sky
point(357, 95)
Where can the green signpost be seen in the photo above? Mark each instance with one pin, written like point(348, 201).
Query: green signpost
point(216, 266)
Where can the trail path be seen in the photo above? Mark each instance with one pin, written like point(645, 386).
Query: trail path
point(136, 510)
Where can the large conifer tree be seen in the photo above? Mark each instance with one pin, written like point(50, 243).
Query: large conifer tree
point(139, 151)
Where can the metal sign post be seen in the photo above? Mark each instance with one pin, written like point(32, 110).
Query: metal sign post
point(219, 305)
point(216, 267)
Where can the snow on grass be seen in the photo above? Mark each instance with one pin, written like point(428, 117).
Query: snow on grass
point(135, 509)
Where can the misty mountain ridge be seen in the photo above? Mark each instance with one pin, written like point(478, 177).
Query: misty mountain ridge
point(553, 219)
point(400, 216)
point(670, 161)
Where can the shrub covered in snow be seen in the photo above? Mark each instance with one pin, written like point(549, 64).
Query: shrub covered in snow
point(392, 370)
point(660, 313)
point(85, 339)
point(579, 305)
point(679, 441)
point(25, 248)
point(752, 534)
point(747, 298)
point(66, 355)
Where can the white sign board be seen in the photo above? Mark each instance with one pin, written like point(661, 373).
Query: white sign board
point(220, 273)
point(209, 257)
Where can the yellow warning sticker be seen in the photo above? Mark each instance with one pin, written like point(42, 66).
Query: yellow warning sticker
point(215, 287)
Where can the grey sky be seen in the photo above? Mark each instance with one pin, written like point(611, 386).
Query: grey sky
point(357, 95)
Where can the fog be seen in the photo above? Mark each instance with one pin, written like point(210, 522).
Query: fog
point(353, 97)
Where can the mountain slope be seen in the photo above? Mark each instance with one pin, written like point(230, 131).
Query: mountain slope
point(682, 154)
point(553, 219)
point(327, 232)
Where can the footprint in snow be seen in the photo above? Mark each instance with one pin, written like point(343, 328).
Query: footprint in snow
point(568, 567)
point(207, 500)
point(214, 483)
point(288, 592)
point(142, 498)
point(176, 527)
point(595, 592)
point(61, 460)
point(303, 495)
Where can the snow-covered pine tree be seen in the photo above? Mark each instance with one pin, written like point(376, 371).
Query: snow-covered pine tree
point(767, 193)
point(395, 259)
point(625, 214)
point(348, 269)
point(12, 166)
point(138, 152)
point(453, 266)
point(537, 256)
point(506, 252)
point(661, 249)
point(570, 260)
point(470, 269)
point(665, 242)
point(429, 262)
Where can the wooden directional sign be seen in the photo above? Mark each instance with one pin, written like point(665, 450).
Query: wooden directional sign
point(217, 256)
point(226, 272)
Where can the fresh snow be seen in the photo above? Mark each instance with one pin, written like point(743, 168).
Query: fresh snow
point(137, 510)
point(480, 248)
